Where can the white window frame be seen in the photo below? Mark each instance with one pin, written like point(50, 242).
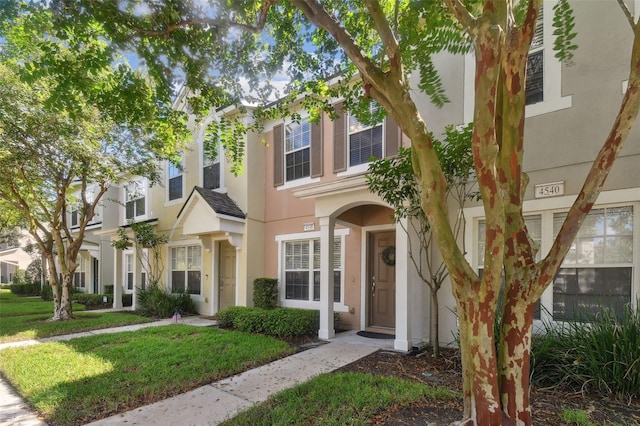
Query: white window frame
point(81, 271)
point(552, 79)
point(309, 237)
point(296, 128)
point(205, 161)
point(142, 192)
point(128, 268)
point(546, 208)
point(362, 167)
point(186, 243)
point(169, 176)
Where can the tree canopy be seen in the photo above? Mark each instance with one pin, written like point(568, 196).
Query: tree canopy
point(74, 119)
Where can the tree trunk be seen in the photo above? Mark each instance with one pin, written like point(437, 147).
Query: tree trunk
point(62, 309)
point(476, 316)
point(436, 323)
point(514, 360)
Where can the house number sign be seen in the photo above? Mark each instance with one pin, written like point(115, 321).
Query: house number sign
point(553, 189)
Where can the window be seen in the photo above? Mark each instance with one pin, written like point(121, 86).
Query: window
point(135, 200)
point(534, 92)
point(297, 150)
point(186, 269)
point(302, 270)
point(80, 275)
point(75, 215)
point(597, 270)
point(129, 265)
point(544, 72)
point(364, 141)
point(534, 226)
point(175, 180)
point(211, 170)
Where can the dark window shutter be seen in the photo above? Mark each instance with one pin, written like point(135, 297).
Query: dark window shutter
point(278, 155)
point(392, 136)
point(316, 149)
point(340, 140)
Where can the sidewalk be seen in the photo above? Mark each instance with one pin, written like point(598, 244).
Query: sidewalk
point(210, 404)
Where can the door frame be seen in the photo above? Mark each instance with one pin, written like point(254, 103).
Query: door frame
point(365, 268)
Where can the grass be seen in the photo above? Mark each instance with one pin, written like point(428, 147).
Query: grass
point(337, 399)
point(72, 382)
point(26, 318)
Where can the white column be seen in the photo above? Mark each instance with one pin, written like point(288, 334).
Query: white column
point(403, 341)
point(117, 279)
point(327, 330)
point(137, 273)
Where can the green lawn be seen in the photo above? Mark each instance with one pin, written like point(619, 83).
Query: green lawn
point(337, 399)
point(72, 382)
point(23, 318)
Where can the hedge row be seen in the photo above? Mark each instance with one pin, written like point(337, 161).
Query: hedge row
point(278, 322)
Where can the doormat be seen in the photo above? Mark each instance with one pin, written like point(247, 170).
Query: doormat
point(373, 335)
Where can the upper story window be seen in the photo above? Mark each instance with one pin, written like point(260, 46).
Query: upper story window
point(365, 141)
point(211, 170)
point(175, 179)
point(76, 210)
point(297, 153)
point(297, 147)
point(135, 199)
point(543, 93)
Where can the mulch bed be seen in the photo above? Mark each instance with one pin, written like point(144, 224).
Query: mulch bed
point(547, 405)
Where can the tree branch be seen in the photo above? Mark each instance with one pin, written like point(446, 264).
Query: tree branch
point(386, 35)
point(627, 14)
point(463, 14)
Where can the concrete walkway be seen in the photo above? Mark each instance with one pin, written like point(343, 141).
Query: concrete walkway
point(210, 404)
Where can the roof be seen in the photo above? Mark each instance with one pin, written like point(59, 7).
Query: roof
point(221, 203)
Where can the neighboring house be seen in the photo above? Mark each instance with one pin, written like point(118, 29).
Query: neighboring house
point(12, 258)
point(301, 210)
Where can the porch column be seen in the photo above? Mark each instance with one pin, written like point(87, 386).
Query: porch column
point(138, 253)
point(327, 331)
point(403, 307)
point(117, 279)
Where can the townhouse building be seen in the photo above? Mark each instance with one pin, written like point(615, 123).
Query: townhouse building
point(301, 210)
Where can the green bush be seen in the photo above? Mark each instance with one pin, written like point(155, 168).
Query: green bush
point(92, 300)
point(265, 293)
point(20, 277)
point(46, 292)
point(278, 322)
point(108, 289)
point(601, 355)
point(154, 301)
point(127, 299)
point(26, 289)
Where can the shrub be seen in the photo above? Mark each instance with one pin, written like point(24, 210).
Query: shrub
point(26, 289)
point(20, 277)
point(227, 317)
point(279, 322)
point(108, 289)
point(34, 271)
point(92, 300)
point(601, 355)
point(46, 292)
point(127, 299)
point(265, 293)
point(154, 301)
